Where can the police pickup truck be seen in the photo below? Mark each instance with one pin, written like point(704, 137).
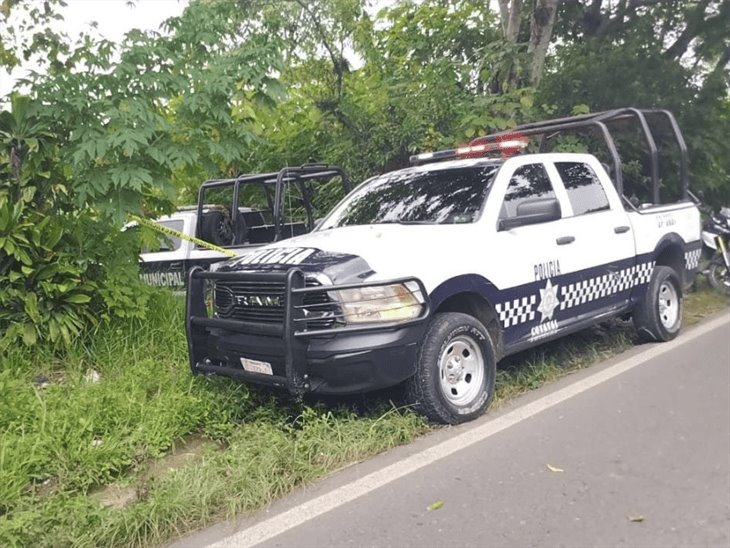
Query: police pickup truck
point(429, 275)
point(286, 204)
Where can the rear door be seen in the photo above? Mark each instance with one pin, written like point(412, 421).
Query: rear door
point(600, 251)
point(164, 264)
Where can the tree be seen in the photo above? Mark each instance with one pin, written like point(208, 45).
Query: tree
point(542, 18)
point(670, 55)
point(105, 132)
point(423, 83)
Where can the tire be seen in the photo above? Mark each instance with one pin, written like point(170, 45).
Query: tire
point(455, 371)
point(718, 275)
point(658, 317)
point(217, 228)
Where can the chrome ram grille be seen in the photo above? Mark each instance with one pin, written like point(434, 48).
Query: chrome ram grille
point(266, 301)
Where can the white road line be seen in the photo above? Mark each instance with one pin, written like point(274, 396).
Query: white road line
point(306, 511)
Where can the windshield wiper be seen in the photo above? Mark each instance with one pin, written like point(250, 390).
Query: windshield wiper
point(386, 222)
point(404, 222)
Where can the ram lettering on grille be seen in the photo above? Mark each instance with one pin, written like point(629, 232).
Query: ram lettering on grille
point(266, 302)
point(258, 300)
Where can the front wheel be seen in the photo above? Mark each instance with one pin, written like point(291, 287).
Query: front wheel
point(718, 274)
point(454, 379)
point(658, 317)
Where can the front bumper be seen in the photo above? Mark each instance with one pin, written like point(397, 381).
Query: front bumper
point(336, 360)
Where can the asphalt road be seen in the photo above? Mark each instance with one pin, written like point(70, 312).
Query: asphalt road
point(639, 457)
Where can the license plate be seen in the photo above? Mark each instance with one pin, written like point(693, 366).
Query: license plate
point(255, 366)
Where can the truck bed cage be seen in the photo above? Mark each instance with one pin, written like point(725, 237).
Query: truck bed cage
point(600, 121)
point(289, 175)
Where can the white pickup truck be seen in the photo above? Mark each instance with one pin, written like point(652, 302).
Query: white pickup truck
point(429, 275)
point(286, 204)
point(175, 251)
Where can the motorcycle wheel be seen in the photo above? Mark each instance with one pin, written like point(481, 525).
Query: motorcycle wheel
point(718, 275)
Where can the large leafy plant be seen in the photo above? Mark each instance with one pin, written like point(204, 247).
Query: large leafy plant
point(107, 131)
point(43, 278)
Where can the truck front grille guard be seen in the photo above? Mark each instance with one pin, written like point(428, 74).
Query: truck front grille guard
point(294, 330)
point(264, 302)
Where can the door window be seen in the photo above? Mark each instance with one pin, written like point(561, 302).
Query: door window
point(585, 191)
point(167, 242)
point(527, 183)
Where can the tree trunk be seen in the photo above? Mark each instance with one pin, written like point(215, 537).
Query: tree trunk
point(513, 23)
point(541, 31)
point(510, 15)
point(503, 14)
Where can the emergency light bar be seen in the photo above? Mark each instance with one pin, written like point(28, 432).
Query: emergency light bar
point(507, 147)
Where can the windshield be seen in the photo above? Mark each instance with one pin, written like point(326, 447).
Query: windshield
point(445, 196)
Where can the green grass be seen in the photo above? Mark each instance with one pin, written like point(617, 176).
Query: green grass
point(63, 437)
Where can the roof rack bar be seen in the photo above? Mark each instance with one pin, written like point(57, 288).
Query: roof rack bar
point(617, 171)
point(653, 153)
point(555, 121)
point(683, 154)
point(286, 175)
point(312, 171)
point(599, 121)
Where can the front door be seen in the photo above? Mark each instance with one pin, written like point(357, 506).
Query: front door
point(533, 259)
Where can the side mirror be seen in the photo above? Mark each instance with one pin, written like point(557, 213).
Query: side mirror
point(317, 223)
point(530, 212)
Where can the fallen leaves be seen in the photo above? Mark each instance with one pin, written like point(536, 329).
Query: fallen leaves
point(636, 519)
point(554, 468)
point(436, 505)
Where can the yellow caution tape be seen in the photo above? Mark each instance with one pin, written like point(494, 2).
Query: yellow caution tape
point(177, 234)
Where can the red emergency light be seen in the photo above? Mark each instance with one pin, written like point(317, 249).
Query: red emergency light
point(507, 145)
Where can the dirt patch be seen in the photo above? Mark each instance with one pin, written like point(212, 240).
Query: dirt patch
point(179, 457)
point(45, 488)
point(115, 496)
point(119, 496)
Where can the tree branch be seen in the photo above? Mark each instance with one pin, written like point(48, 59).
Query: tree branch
point(598, 24)
point(722, 67)
point(337, 62)
point(595, 7)
point(694, 26)
point(609, 22)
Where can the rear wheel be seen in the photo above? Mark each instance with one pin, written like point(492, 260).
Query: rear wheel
point(718, 274)
point(454, 380)
point(659, 315)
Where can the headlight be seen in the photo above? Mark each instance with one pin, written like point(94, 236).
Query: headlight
point(380, 303)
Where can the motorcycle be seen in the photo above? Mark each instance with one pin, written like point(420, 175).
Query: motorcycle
point(716, 249)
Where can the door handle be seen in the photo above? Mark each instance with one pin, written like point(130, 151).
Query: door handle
point(563, 240)
point(621, 229)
